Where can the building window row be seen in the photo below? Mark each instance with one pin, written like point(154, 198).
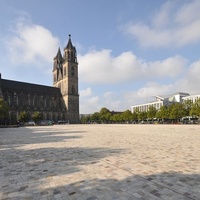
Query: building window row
point(22, 99)
point(145, 107)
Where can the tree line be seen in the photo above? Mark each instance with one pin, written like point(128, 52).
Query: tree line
point(173, 113)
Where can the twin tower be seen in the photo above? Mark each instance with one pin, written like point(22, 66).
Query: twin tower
point(65, 77)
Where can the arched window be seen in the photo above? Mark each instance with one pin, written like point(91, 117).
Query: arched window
point(72, 71)
point(64, 71)
point(68, 55)
point(73, 90)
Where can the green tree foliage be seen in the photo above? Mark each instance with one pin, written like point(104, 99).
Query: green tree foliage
point(127, 116)
point(135, 116)
point(163, 113)
point(36, 116)
point(142, 115)
point(116, 118)
point(23, 117)
point(188, 106)
point(173, 112)
point(177, 111)
point(95, 117)
point(4, 110)
point(104, 115)
point(151, 113)
point(195, 109)
point(85, 120)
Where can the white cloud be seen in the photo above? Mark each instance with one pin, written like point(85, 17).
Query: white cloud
point(89, 105)
point(147, 93)
point(31, 43)
point(101, 67)
point(85, 93)
point(112, 101)
point(162, 17)
point(191, 82)
point(173, 25)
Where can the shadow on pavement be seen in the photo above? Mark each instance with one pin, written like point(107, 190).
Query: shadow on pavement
point(8, 137)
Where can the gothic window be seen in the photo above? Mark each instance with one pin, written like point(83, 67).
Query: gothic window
point(50, 102)
point(68, 55)
point(45, 102)
point(15, 98)
point(64, 71)
point(72, 71)
point(41, 101)
point(73, 90)
point(33, 100)
point(29, 99)
point(36, 101)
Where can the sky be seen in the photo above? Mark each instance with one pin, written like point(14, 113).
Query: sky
point(128, 51)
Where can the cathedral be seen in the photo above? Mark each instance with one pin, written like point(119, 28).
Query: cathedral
point(57, 103)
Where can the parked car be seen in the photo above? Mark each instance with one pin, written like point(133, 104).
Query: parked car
point(46, 122)
point(31, 123)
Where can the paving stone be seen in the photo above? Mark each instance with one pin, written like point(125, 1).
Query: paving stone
point(93, 162)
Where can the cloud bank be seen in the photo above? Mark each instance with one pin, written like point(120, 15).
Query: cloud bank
point(173, 25)
point(31, 43)
point(173, 74)
point(99, 67)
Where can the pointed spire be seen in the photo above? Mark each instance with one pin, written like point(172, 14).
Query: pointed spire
point(59, 55)
point(58, 59)
point(69, 44)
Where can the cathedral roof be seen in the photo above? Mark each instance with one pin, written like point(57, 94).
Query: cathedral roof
point(59, 55)
point(29, 87)
point(69, 44)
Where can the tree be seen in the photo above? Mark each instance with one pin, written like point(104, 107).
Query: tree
point(4, 111)
point(177, 111)
point(36, 116)
point(104, 115)
point(195, 109)
point(116, 118)
point(23, 117)
point(142, 115)
point(135, 116)
point(151, 113)
point(163, 113)
point(95, 117)
point(127, 116)
point(188, 106)
point(85, 119)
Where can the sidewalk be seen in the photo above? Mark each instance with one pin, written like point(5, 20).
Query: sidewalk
point(100, 162)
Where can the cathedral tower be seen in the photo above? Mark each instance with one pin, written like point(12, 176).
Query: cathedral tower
point(65, 77)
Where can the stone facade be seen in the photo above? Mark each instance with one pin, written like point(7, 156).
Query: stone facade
point(60, 102)
point(65, 77)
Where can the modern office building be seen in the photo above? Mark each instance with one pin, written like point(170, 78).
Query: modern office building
point(160, 101)
point(192, 98)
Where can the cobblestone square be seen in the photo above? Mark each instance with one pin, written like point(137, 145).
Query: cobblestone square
point(94, 162)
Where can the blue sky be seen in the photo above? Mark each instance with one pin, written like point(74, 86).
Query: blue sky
point(128, 51)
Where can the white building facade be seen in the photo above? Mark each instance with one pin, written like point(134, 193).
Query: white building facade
point(160, 101)
point(192, 98)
